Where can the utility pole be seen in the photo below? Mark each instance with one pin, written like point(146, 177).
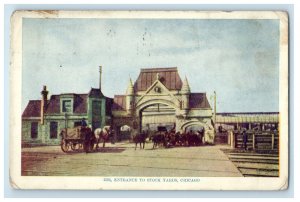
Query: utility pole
point(100, 70)
point(215, 108)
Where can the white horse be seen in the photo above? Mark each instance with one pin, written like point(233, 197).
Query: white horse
point(102, 133)
point(209, 135)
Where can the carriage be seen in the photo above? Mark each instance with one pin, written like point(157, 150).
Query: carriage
point(76, 139)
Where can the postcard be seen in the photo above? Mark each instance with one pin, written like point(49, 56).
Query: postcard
point(149, 100)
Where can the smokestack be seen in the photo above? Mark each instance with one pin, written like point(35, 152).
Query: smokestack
point(43, 103)
point(100, 70)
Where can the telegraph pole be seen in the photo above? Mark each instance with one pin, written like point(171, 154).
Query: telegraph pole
point(100, 71)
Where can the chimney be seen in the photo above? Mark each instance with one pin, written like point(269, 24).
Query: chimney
point(100, 70)
point(43, 103)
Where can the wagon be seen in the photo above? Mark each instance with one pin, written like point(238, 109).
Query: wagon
point(76, 139)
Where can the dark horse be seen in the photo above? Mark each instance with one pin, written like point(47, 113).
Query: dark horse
point(140, 138)
point(158, 139)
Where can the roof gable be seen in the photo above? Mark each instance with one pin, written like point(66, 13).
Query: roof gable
point(157, 88)
point(95, 92)
point(169, 77)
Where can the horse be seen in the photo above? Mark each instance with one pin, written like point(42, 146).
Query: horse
point(140, 138)
point(170, 140)
point(158, 139)
point(209, 136)
point(102, 133)
point(180, 138)
point(194, 139)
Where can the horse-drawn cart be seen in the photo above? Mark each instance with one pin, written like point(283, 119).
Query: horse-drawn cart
point(76, 139)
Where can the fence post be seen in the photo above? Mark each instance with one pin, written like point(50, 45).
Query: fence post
point(253, 140)
point(228, 138)
point(273, 140)
point(232, 139)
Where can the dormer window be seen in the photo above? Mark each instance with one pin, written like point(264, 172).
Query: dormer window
point(66, 106)
point(66, 103)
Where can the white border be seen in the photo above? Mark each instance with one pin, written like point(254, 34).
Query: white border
point(207, 183)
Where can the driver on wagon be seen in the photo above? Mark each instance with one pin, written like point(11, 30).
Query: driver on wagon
point(83, 123)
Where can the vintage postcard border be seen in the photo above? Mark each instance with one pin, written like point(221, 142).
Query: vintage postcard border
point(205, 183)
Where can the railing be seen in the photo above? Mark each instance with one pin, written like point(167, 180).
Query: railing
point(257, 140)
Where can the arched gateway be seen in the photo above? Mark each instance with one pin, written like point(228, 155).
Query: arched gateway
point(159, 97)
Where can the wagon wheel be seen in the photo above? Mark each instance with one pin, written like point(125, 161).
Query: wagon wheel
point(75, 146)
point(64, 145)
point(80, 146)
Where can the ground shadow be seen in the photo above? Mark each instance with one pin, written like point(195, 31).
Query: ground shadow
point(108, 150)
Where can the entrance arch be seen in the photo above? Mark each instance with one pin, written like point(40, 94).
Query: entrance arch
point(153, 114)
point(193, 123)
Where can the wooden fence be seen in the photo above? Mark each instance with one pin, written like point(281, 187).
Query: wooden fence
point(257, 140)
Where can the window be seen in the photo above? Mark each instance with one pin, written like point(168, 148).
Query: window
point(53, 130)
point(66, 106)
point(34, 130)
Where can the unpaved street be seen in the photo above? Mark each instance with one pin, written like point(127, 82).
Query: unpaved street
point(121, 159)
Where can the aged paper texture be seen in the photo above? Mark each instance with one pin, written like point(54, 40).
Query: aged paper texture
point(149, 100)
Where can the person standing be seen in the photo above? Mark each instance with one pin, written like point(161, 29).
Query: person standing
point(245, 139)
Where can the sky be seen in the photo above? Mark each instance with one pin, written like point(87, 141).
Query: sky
point(239, 59)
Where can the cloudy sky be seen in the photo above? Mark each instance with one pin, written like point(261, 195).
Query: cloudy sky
point(236, 58)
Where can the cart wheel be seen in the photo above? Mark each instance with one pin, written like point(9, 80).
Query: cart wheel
point(75, 146)
point(64, 146)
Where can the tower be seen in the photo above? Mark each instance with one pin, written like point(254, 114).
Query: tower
point(129, 96)
point(185, 96)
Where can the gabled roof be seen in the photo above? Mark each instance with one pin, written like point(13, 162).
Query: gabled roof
point(119, 102)
point(95, 92)
point(33, 109)
point(167, 76)
point(199, 100)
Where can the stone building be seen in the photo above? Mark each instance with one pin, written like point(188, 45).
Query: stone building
point(160, 98)
point(157, 98)
point(42, 120)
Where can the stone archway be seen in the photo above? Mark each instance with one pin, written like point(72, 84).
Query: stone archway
point(169, 117)
point(209, 134)
point(192, 123)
